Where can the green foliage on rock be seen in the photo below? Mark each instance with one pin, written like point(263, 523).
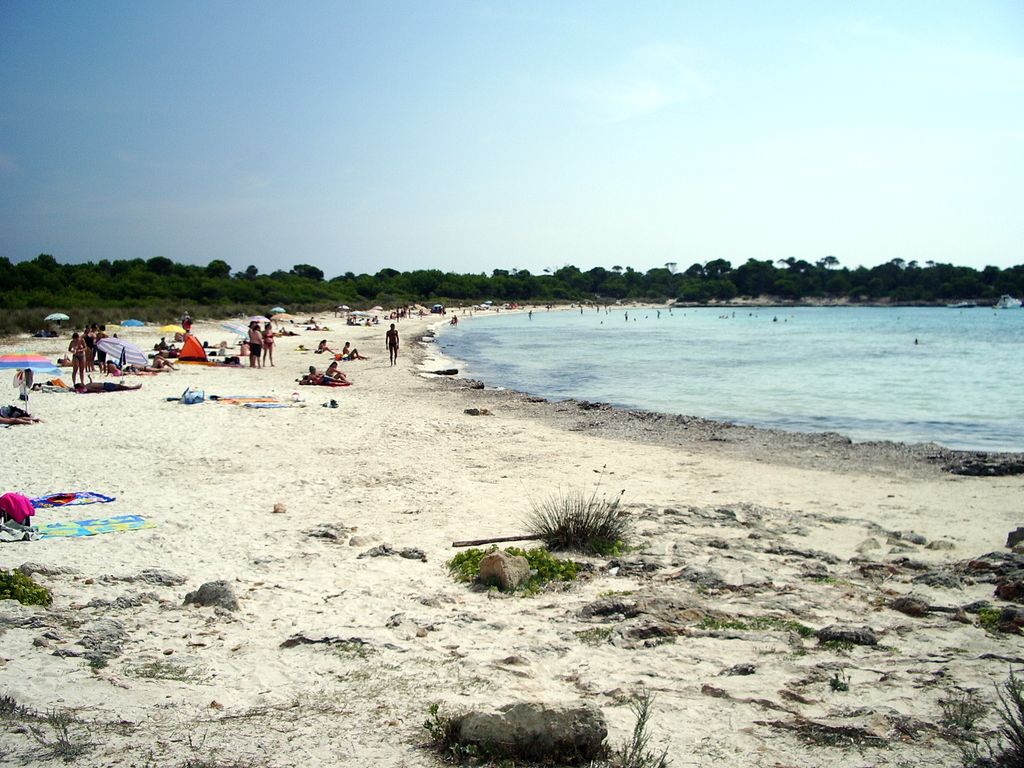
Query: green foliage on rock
point(545, 568)
point(15, 585)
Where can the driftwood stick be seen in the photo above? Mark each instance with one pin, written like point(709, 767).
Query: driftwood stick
point(474, 542)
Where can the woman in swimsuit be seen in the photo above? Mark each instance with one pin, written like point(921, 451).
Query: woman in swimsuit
point(89, 337)
point(268, 344)
point(78, 351)
point(255, 344)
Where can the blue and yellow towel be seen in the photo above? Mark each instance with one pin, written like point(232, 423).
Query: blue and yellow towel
point(94, 526)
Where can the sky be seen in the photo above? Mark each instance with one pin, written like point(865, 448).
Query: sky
point(472, 136)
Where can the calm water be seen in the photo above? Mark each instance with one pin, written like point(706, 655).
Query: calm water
point(856, 371)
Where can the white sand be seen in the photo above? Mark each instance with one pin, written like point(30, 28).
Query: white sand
point(400, 463)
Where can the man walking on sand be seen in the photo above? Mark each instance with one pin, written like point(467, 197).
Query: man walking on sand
point(391, 342)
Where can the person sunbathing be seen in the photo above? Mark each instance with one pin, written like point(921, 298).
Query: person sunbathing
point(323, 347)
point(12, 414)
point(312, 377)
point(106, 386)
point(347, 353)
point(335, 374)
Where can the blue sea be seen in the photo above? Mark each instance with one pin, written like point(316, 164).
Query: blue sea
point(951, 376)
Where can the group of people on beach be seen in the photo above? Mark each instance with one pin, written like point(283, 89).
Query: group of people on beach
point(260, 342)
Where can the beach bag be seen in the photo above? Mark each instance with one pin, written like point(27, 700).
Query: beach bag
point(16, 507)
point(192, 396)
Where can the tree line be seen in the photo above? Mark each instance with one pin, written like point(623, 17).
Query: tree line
point(43, 282)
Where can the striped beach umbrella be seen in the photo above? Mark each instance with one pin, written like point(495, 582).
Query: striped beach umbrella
point(123, 351)
point(29, 361)
point(235, 328)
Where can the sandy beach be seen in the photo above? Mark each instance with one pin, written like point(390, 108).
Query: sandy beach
point(349, 626)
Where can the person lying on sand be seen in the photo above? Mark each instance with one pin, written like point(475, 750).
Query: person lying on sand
point(333, 372)
point(105, 386)
point(12, 414)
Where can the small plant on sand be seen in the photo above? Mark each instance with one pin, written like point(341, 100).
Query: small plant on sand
point(961, 710)
point(839, 682)
point(595, 636)
point(443, 730)
point(544, 567)
point(61, 742)
point(636, 751)
point(573, 520)
point(15, 585)
point(1008, 750)
point(165, 670)
point(754, 623)
point(11, 710)
point(988, 619)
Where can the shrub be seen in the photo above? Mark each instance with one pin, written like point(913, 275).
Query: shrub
point(575, 521)
point(1008, 751)
point(15, 585)
point(961, 709)
point(636, 752)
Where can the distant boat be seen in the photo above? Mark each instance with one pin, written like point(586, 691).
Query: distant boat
point(962, 305)
point(1006, 301)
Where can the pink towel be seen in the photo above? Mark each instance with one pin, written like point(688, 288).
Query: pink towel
point(17, 507)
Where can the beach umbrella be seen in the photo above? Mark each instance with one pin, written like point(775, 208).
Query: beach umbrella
point(27, 364)
point(259, 319)
point(131, 323)
point(172, 328)
point(278, 310)
point(238, 329)
point(283, 316)
point(376, 309)
point(343, 306)
point(56, 317)
point(28, 361)
point(123, 351)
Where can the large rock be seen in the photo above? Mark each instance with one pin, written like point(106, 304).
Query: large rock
point(845, 634)
point(1014, 537)
point(215, 593)
point(504, 570)
point(556, 733)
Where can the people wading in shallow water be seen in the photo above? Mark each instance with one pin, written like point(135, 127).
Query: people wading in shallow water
point(391, 342)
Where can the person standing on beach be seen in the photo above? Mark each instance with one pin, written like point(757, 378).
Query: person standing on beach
point(268, 344)
point(255, 344)
point(391, 342)
point(77, 349)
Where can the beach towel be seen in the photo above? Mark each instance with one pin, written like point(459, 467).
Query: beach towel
point(271, 405)
point(11, 531)
point(94, 526)
point(245, 399)
point(73, 498)
point(327, 384)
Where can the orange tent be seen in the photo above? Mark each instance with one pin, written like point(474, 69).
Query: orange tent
point(192, 351)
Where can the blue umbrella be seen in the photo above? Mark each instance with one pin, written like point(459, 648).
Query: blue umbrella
point(131, 323)
point(26, 365)
point(278, 310)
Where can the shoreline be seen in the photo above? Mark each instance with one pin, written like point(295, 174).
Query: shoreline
point(826, 450)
